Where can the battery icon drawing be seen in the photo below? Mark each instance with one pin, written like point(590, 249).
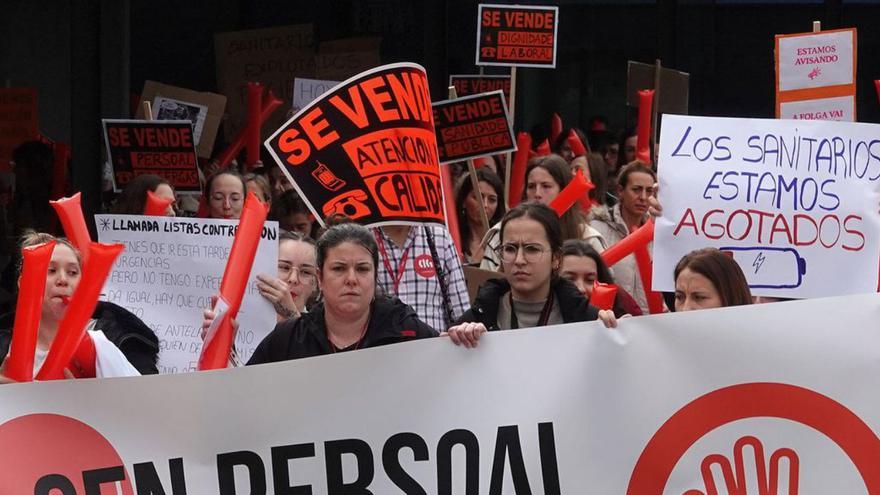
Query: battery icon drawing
point(769, 267)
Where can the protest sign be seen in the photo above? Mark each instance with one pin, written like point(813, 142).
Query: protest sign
point(170, 269)
point(161, 147)
point(792, 201)
point(472, 126)
point(204, 110)
point(517, 35)
point(306, 91)
point(19, 121)
point(818, 67)
point(662, 405)
point(840, 108)
point(366, 149)
point(344, 58)
point(674, 87)
point(471, 84)
point(272, 56)
point(476, 277)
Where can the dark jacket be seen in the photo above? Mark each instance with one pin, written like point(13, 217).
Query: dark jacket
point(127, 332)
point(391, 321)
point(572, 304)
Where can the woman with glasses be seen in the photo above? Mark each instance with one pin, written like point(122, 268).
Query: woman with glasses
point(297, 278)
point(226, 193)
point(531, 294)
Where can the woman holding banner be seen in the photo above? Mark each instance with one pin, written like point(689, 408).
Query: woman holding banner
point(226, 192)
point(351, 315)
point(120, 339)
point(531, 294)
point(546, 176)
point(470, 221)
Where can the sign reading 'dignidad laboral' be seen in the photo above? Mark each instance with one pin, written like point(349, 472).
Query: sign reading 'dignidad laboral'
point(795, 203)
point(170, 269)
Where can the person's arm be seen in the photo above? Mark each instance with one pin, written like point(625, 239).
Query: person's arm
point(466, 334)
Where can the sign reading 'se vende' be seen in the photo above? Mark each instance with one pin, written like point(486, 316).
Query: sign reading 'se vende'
point(517, 35)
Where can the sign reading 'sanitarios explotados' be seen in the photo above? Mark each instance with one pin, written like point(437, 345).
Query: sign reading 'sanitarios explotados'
point(366, 149)
point(793, 202)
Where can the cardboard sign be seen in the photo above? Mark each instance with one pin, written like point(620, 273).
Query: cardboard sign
point(273, 57)
point(204, 110)
point(344, 58)
point(674, 87)
point(816, 66)
point(162, 147)
point(19, 121)
point(366, 149)
point(170, 269)
point(472, 84)
point(472, 126)
point(306, 91)
point(476, 277)
point(517, 35)
point(791, 201)
point(673, 404)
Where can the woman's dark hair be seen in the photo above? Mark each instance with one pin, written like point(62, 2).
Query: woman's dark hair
point(347, 232)
point(229, 171)
point(626, 134)
point(287, 235)
point(632, 168)
point(286, 204)
point(465, 187)
point(562, 139)
point(133, 199)
point(540, 213)
point(599, 177)
point(724, 273)
point(578, 247)
point(572, 221)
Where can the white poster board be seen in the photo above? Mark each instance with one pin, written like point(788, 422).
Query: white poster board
point(568, 409)
point(794, 202)
point(838, 108)
point(170, 109)
point(816, 60)
point(306, 91)
point(170, 269)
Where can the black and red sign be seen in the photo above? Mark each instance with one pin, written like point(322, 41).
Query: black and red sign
point(517, 35)
point(367, 149)
point(473, 84)
point(472, 126)
point(161, 147)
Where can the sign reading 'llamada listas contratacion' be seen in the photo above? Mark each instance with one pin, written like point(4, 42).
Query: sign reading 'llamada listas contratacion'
point(517, 35)
point(366, 149)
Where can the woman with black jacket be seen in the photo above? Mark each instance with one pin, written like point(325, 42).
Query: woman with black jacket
point(531, 294)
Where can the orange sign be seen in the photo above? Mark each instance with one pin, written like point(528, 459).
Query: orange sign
point(517, 35)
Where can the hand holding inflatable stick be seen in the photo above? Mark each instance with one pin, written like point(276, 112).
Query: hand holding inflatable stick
point(156, 206)
point(32, 285)
point(71, 330)
point(218, 341)
point(643, 138)
point(603, 295)
point(70, 213)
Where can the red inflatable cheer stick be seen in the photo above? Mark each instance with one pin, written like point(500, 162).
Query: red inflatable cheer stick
point(575, 143)
point(32, 285)
point(646, 267)
point(156, 206)
point(543, 149)
point(449, 200)
point(61, 152)
point(603, 295)
point(643, 139)
point(254, 108)
point(84, 362)
point(628, 245)
point(877, 87)
point(82, 305)
point(555, 127)
point(576, 189)
point(518, 169)
point(70, 213)
point(215, 352)
point(269, 104)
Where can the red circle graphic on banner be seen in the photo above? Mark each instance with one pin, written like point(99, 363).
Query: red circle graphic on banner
point(753, 400)
point(37, 445)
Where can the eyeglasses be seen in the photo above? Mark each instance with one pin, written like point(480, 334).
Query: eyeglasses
point(531, 252)
point(306, 274)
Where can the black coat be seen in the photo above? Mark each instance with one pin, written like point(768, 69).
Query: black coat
point(391, 321)
point(127, 332)
point(572, 304)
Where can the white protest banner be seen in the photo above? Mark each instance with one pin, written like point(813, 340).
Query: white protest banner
point(646, 409)
point(306, 91)
point(838, 108)
point(170, 269)
point(792, 201)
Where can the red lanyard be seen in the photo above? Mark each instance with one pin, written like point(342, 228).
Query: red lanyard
point(401, 267)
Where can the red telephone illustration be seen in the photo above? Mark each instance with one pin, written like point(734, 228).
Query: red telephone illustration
point(350, 204)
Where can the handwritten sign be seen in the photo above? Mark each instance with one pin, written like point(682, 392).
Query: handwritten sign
point(472, 126)
point(792, 201)
point(162, 147)
point(204, 110)
point(367, 149)
point(19, 120)
point(306, 91)
point(839, 108)
point(472, 84)
point(170, 269)
point(820, 68)
point(519, 35)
